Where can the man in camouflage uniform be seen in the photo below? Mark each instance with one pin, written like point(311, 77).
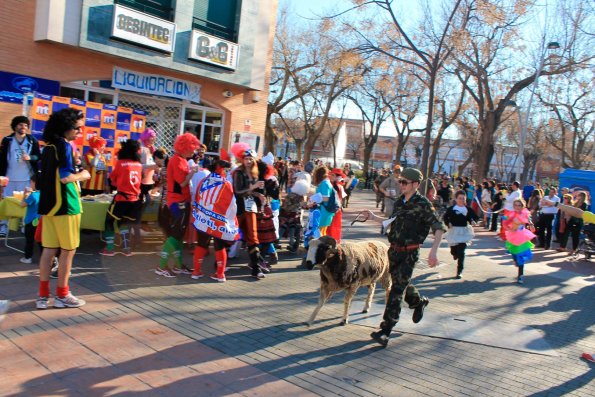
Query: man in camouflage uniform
point(413, 217)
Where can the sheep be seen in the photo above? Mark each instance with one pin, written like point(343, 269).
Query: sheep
point(348, 266)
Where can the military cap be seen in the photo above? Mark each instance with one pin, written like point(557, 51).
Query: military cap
point(413, 174)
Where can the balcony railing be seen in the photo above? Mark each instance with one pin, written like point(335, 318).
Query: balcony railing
point(215, 29)
point(163, 11)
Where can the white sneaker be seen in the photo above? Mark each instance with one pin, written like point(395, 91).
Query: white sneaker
point(42, 303)
point(26, 260)
point(68, 301)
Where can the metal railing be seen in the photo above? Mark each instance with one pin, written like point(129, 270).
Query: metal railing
point(150, 7)
point(215, 29)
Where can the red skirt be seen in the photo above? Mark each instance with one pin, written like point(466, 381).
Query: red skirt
point(266, 226)
point(335, 229)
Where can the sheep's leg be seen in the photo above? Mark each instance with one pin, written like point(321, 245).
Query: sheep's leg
point(371, 289)
point(325, 294)
point(347, 303)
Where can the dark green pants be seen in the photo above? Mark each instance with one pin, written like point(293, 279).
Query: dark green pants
point(401, 269)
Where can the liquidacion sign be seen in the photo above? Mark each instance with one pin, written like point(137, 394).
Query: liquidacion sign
point(155, 84)
point(213, 50)
point(143, 29)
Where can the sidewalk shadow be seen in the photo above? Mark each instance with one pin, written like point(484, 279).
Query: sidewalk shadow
point(568, 386)
point(576, 325)
point(209, 380)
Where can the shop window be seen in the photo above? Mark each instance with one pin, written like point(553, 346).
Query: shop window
point(213, 118)
point(72, 93)
point(219, 18)
point(212, 138)
point(101, 97)
point(193, 115)
point(163, 9)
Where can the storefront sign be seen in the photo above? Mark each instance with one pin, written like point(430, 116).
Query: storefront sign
point(155, 84)
point(143, 29)
point(14, 86)
point(213, 50)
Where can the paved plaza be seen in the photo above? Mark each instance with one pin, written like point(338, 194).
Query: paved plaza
point(141, 334)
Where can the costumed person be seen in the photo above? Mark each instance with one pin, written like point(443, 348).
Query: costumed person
point(324, 187)
point(195, 162)
point(290, 219)
point(376, 186)
point(412, 219)
point(313, 227)
point(178, 204)
point(60, 205)
point(249, 194)
point(265, 218)
point(94, 162)
point(214, 211)
point(518, 237)
point(337, 179)
point(350, 183)
point(459, 218)
point(275, 202)
point(126, 206)
point(147, 139)
point(31, 201)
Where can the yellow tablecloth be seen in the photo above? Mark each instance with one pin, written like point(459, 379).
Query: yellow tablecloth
point(10, 208)
point(93, 217)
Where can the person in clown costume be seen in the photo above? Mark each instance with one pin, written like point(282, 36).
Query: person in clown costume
point(518, 237)
point(179, 175)
point(214, 211)
point(94, 162)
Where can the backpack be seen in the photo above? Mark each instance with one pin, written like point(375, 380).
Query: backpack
point(333, 204)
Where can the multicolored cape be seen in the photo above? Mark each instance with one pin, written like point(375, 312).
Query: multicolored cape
point(518, 238)
point(214, 208)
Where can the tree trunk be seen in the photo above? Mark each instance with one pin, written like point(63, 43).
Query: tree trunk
point(435, 149)
point(299, 147)
point(485, 151)
point(269, 135)
point(367, 155)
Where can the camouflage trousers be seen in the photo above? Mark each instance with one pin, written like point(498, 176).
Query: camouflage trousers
point(401, 269)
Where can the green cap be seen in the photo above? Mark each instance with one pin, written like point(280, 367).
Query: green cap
point(413, 174)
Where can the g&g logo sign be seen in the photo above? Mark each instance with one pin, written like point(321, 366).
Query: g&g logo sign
point(213, 50)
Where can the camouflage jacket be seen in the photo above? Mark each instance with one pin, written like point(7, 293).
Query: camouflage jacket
point(414, 219)
point(292, 203)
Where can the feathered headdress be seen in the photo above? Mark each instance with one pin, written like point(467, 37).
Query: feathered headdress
point(241, 150)
point(148, 134)
point(186, 142)
point(223, 155)
point(96, 142)
point(301, 187)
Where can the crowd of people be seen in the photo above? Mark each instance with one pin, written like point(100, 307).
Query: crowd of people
point(256, 202)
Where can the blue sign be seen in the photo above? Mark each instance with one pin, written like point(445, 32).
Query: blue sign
point(155, 84)
point(13, 87)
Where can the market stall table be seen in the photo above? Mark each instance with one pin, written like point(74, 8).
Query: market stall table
point(10, 209)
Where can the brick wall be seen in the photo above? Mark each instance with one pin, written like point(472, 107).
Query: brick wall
point(20, 54)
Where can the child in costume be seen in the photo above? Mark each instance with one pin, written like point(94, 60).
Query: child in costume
point(313, 227)
point(126, 205)
point(337, 178)
point(518, 237)
point(459, 218)
point(265, 222)
point(290, 219)
point(214, 211)
point(31, 201)
point(94, 162)
point(178, 176)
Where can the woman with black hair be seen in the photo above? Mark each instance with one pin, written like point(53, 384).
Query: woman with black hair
point(60, 205)
point(214, 210)
point(127, 204)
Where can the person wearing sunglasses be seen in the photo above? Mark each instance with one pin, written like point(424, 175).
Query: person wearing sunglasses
point(411, 220)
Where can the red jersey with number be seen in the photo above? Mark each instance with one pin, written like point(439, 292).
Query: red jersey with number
point(126, 177)
point(177, 171)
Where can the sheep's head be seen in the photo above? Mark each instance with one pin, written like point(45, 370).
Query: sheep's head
point(320, 250)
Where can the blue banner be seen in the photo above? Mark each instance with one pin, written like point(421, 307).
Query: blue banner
point(13, 86)
point(155, 84)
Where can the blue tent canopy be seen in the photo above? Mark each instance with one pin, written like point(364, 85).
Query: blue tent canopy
point(582, 179)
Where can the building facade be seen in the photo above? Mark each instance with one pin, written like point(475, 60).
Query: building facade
point(199, 66)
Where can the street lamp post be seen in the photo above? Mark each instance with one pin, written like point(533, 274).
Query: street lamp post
point(524, 123)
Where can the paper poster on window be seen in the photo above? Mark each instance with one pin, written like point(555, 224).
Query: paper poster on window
point(114, 123)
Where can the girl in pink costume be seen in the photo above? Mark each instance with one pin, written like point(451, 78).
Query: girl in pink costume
point(518, 237)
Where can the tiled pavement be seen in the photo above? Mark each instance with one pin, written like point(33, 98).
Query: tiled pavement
point(143, 334)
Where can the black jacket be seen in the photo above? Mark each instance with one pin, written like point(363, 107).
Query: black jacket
point(35, 153)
